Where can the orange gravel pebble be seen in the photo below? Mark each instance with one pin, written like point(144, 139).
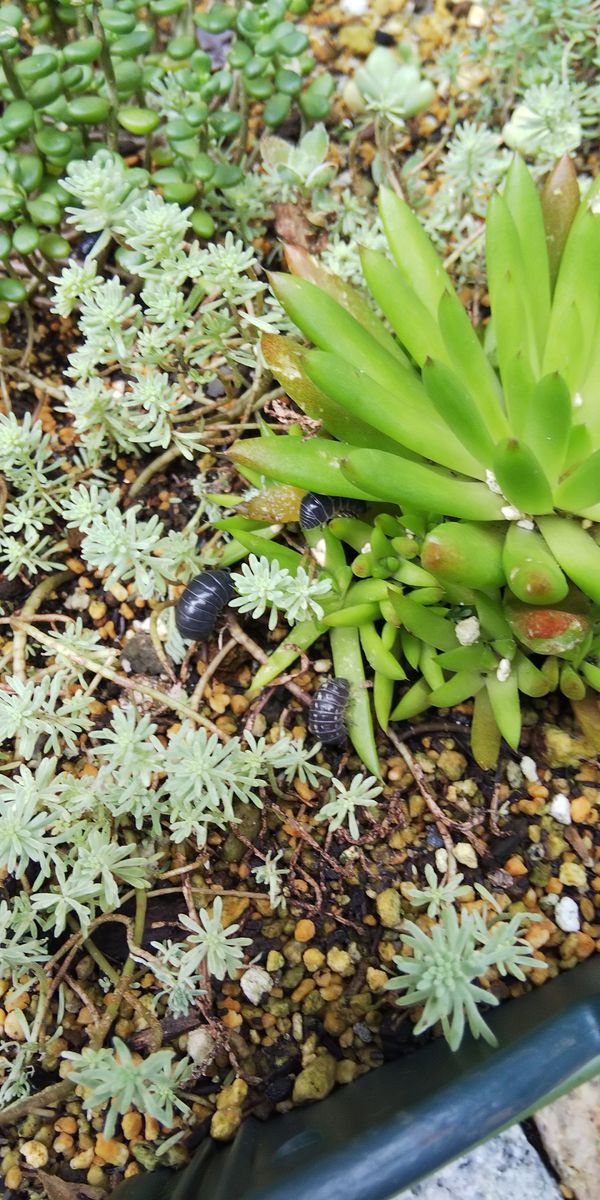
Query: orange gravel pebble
point(580, 809)
point(515, 866)
point(305, 930)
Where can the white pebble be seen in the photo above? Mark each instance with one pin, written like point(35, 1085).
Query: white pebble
point(529, 769)
point(255, 982)
point(465, 854)
point(354, 8)
point(467, 631)
point(441, 860)
point(566, 915)
point(510, 513)
point(200, 1045)
point(503, 670)
point(560, 809)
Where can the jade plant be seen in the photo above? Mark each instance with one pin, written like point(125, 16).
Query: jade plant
point(79, 77)
point(474, 570)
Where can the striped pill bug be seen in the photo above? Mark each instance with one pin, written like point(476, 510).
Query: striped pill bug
point(316, 510)
point(326, 714)
point(202, 603)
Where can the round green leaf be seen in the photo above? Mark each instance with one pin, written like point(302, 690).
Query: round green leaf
point(266, 46)
point(260, 88)
point(52, 245)
point(44, 210)
point(314, 106)
point(4, 313)
point(162, 156)
point(26, 238)
point(30, 172)
point(255, 66)
point(202, 223)
point(114, 20)
point(128, 78)
point(292, 44)
point(85, 50)
point(165, 8)
point(179, 193)
point(288, 82)
point(36, 66)
point(227, 175)
point(132, 44)
point(200, 62)
point(87, 110)
point(40, 25)
point(18, 117)
point(181, 47)
point(218, 18)
point(225, 124)
point(53, 142)
point(178, 130)
point(83, 81)
point(138, 121)
point(45, 90)
point(202, 167)
point(10, 205)
point(12, 290)
point(277, 109)
point(5, 246)
point(11, 15)
point(167, 175)
point(72, 77)
point(239, 55)
point(5, 136)
point(196, 114)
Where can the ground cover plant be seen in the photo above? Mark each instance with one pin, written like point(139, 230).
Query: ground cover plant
point(226, 543)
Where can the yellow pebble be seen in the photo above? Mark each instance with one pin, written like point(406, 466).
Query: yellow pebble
point(580, 809)
point(305, 930)
point(83, 1160)
point(151, 1129)
point(13, 1179)
point(376, 980)
point(63, 1143)
point(34, 1153)
point(66, 1125)
point(234, 1095)
point(97, 610)
point(572, 875)
point(131, 1124)
point(13, 1027)
point(111, 1151)
point(313, 959)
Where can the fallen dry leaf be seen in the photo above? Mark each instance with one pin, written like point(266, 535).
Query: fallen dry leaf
point(59, 1189)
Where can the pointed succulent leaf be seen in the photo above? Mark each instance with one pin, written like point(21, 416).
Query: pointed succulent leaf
point(547, 423)
point(456, 690)
point(301, 263)
point(532, 572)
point(459, 410)
point(503, 695)
point(414, 701)
point(507, 285)
point(571, 684)
point(521, 477)
point(560, 202)
point(413, 251)
point(348, 664)
point(326, 323)
point(466, 553)
point(532, 681)
point(576, 551)
point(471, 364)
point(413, 324)
point(313, 465)
point(580, 489)
point(424, 624)
point(523, 202)
point(576, 285)
point(285, 359)
point(404, 482)
point(485, 735)
point(406, 414)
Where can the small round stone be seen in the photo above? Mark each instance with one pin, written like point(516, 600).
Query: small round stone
point(572, 875)
point(305, 930)
point(34, 1153)
point(566, 915)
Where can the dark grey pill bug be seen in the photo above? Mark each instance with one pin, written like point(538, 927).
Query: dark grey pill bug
point(327, 711)
point(202, 603)
point(316, 510)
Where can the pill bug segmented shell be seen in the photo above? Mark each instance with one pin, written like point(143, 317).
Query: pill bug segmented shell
point(318, 510)
point(326, 715)
point(202, 603)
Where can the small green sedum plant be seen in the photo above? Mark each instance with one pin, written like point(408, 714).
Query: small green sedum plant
point(481, 572)
point(442, 968)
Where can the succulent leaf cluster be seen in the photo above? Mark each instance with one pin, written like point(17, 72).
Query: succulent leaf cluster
point(76, 77)
point(474, 571)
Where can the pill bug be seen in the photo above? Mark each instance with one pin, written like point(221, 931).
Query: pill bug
point(326, 714)
point(318, 510)
point(201, 604)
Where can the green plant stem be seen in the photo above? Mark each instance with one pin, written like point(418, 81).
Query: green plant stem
point(111, 83)
point(11, 77)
